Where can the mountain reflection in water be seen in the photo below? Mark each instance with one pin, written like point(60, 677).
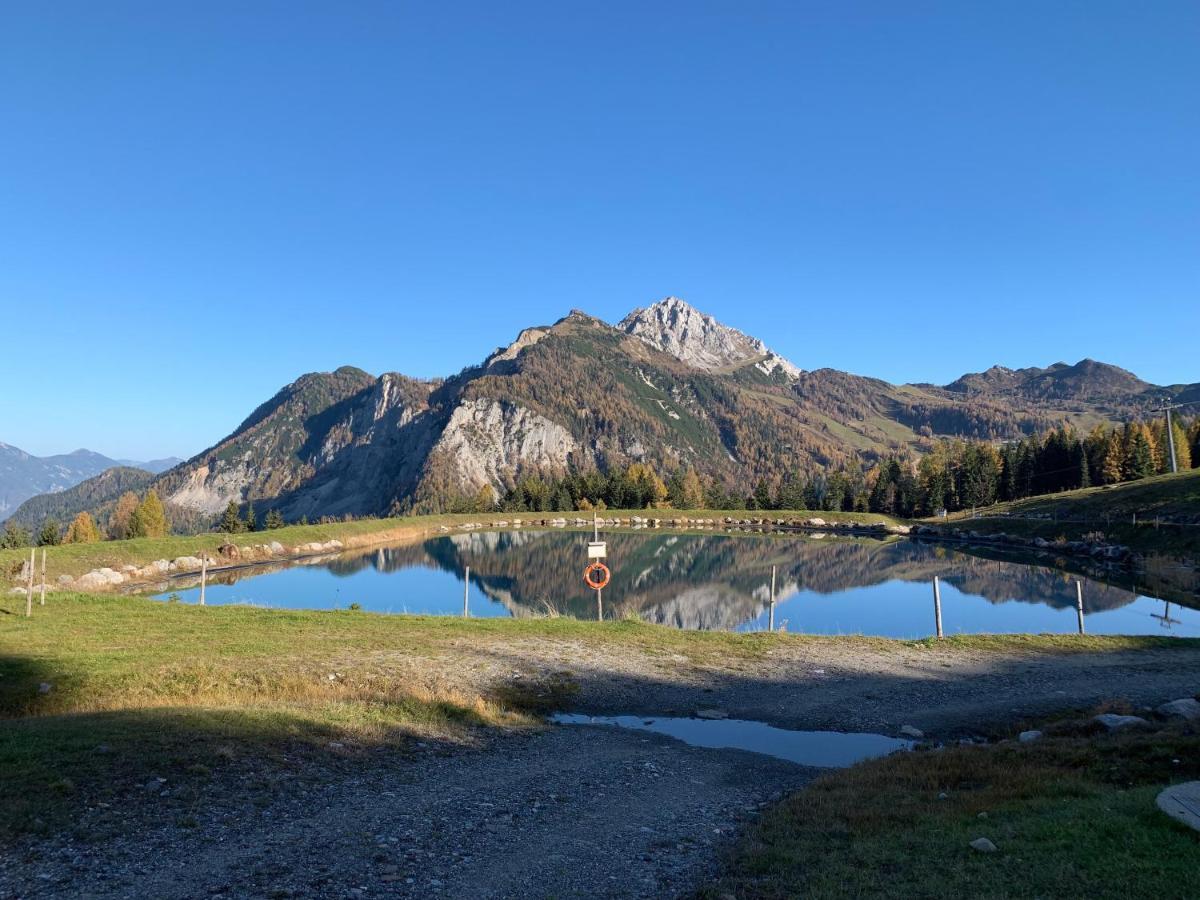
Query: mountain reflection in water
point(707, 581)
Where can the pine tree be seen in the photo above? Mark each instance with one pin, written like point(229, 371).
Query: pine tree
point(251, 521)
point(149, 519)
point(118, 522)
point(49, 535)
point(231, 522)
point(14, 537)
point(273, 519)
point(1113, 469)
point(82, 530)
point(1139, 463)
point(691, 491)
point(1183, 448)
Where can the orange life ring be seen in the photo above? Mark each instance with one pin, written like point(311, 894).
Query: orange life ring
point(604, 575)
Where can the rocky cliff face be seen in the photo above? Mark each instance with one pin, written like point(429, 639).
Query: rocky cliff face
point(673, 326)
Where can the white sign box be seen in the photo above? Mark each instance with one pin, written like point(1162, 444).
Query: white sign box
point(597, 549)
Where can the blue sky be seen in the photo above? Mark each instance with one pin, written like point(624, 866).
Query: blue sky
point(199, 202)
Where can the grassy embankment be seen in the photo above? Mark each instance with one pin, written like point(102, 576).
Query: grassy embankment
point(1109, 509)
point(178, 691)
point(76, 559)
point(1072, 815)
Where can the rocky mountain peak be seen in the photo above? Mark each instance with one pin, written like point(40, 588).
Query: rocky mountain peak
point(678, 328)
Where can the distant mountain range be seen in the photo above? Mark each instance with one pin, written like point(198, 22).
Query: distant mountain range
point(668, 385)
point(23, 475)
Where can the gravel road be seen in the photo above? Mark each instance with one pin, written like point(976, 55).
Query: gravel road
point(561, 811)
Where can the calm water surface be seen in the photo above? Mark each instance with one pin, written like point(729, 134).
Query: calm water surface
point(832, 749)
point(711, 581)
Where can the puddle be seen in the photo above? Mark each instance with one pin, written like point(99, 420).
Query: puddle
point(827, 749)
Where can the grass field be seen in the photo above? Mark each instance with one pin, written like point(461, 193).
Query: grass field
point(1109, 509)
point(1072, 815)
point(175, 690)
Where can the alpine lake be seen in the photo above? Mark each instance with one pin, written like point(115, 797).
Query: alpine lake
point(824, 584)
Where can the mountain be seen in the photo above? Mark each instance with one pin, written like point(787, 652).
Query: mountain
point(96, 495)
point(155, 466)
point(669, 386)
point(23, 475)
point(1086, 381)
point(701, 341)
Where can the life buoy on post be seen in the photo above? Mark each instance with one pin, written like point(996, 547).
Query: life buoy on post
point(596, 575)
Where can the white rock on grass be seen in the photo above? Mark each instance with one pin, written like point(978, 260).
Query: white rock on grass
point(1028, 737)
point(911, 731)
point(1182, 803)
point(1185, 708)
point(983, 845)
point(1115, 722)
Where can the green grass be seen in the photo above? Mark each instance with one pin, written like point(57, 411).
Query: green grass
point(1109, 510)
point(1072, 815)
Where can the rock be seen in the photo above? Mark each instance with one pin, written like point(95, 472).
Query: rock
point(911, 731)
point(45, 687)
point(983, 845)
point(229, 551)
point(185, 564)
point(898, 529)
point(276, 547)
point(1115, 722)
point(1041, 543)
point(1185, 708)
point(66, 579)
point(1182, 803)
point(815, 523)
point(711, 714)
point(1028, 737)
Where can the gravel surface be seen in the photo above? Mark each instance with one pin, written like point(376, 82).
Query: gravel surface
point(561, 811)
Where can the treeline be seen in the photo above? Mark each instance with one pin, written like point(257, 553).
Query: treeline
point(953, 475)
point(131, 517)
point(958, 475)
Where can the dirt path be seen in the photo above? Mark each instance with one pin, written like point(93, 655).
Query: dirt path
point(560, 811)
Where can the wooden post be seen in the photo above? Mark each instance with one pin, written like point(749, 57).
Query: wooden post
point(466, 593)
point(771, 614)
point(203, 575)
point(29, 584)
point(43, 603)
point(937, 605)
point(1079, 604)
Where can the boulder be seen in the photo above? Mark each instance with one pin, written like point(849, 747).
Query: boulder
point(983, 845)
point(898, 529)
point(912, 731)
point(185, 564)
point(229, 551)
point(1182, 803)
point(815, 522)
point(66, 579)
point(1028, 737)
point(276, 547)
point(1115, 722)
point(1185, 708)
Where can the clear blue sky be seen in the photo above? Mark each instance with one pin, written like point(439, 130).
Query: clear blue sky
point(201, 201)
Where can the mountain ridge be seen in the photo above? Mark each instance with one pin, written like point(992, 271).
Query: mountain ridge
point(668, 386)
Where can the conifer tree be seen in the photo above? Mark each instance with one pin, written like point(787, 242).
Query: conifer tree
point(231, 522)
point(82, 530)
point(149, 519)
point(49, 535)
point(251, 522)
point(118, 522)
point(273, 519)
